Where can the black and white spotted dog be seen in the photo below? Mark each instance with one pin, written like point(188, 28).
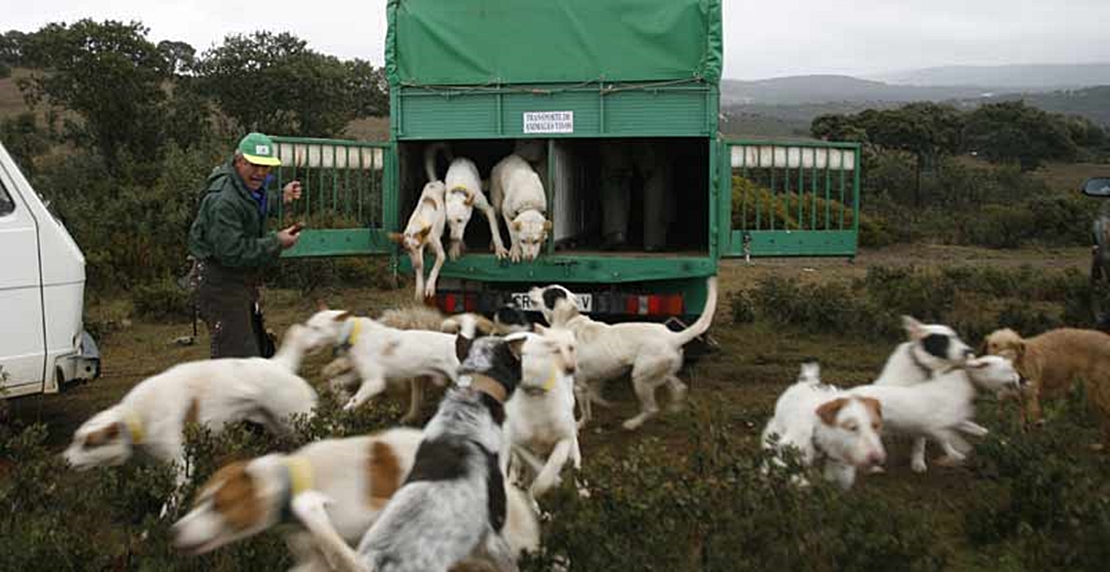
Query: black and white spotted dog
point(453, 503)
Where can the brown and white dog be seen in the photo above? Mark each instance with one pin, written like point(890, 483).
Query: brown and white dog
point(151, 418)
point(823, 424)
point(1053, 361)
point(359, 474)
point(425, 227)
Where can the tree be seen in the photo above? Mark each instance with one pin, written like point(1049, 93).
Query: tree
point(925, 130)
point(109, 74)
point(273, 83)
point(370, 88)
point(1012, 131)
point(11, 47)
point(180, 57)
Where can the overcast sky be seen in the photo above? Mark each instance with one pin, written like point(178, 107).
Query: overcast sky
point(762, 38)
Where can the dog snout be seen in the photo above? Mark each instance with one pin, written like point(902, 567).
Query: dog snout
point(570, 369)
point(876, 458)
point(969, 353)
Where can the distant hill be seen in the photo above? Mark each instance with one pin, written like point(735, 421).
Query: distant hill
point(1026, 77)
point(1092, 102)
point(796, 90)
point(787, 105)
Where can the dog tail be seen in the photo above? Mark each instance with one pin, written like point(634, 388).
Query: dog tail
point(430, 158)
point(810, 372)
point(705, 320)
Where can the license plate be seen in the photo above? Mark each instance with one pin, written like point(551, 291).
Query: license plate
point(522, 301)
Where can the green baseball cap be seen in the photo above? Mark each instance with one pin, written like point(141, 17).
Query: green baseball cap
point(259, 150)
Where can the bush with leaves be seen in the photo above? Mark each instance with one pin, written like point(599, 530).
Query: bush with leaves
point(974, 301)
point(712, 507)
point(1049, 501)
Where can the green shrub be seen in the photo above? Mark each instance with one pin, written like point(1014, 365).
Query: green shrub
point(743, 308)
point(974, 301)
point(162, 301)
point(998, 226)
point(1050, 504)
point(710, 507)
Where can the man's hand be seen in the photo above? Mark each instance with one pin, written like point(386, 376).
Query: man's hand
point(288, 236)
point(291, 192)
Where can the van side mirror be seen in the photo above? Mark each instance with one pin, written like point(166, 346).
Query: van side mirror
point(1097, 187)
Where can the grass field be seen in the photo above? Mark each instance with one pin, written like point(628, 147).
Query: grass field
point(753, 364)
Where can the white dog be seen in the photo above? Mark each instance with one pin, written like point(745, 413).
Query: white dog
point(931, 349)
point(425, 227)
point(651, 351)
point(380, 355)
point(540, 415)
point(517, 193)
point(152, 416)
point(464, 194)
point(453, 501)
point(358, 474)
point(942, 407)
point(823, 423)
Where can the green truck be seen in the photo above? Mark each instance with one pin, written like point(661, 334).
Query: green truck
point(578, 81)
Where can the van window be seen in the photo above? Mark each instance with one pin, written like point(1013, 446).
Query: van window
point(7, 205)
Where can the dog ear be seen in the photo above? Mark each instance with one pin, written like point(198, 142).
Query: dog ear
point(914, 329)
point(547, 226)
point(539, 329)
point(829, 410)
point(516, 343)
point(1019, 348)
point(462, 347)
point(342, 317)
point(470, 196)
point(102, 437)
point(423, 234)
point(321, 305)
point(874, 405)
point(396, 237)
point(517, 225)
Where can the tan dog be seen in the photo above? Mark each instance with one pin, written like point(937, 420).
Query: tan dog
point(1052, 361)
point(425, 227)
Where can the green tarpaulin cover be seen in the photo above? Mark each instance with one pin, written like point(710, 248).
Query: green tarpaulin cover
point(483, 42)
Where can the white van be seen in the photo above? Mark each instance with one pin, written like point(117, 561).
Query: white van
point(43, 344)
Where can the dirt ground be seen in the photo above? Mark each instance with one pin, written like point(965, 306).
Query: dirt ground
point(754, 363)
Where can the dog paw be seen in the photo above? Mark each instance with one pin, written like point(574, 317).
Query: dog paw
point(633, 424)
point(501, 253)
point(429, 291)
point(948, 461)
point(456, 249)
point(514, 254)
point(918, 466)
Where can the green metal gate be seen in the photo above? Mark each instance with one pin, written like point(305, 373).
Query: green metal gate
point(348, 198)
point(791, 199)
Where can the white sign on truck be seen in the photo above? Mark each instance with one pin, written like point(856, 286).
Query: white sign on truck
point(43, 344)
point(549, 122)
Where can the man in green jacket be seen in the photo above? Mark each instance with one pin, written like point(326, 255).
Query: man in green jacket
point(231, 247)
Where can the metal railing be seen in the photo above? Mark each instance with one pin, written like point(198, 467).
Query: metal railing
point(793, 199)
point(346, 192)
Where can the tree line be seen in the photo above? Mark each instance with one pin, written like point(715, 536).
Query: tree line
point(1006, 132)
point(106, 86)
